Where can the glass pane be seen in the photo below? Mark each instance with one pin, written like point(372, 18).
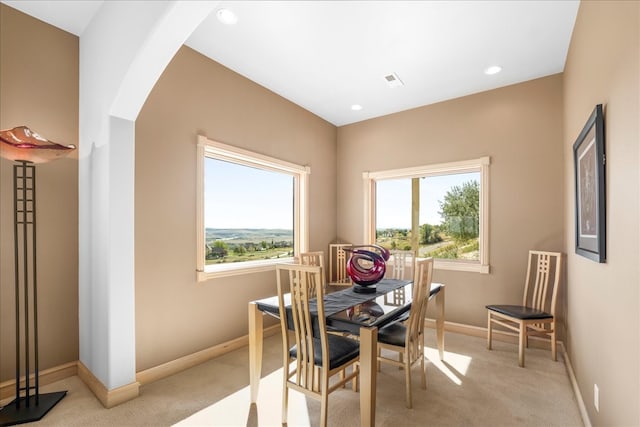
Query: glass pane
point(393, 213)
point(450, 216)
point(248, 213)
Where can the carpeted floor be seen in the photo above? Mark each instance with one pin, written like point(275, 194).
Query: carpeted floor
point(473, 387)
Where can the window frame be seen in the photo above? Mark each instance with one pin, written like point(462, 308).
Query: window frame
point(480, 165)
point(207, 148)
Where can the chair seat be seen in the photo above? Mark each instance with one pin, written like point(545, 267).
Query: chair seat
point(394, 334)
point(520, 312)
point(341, 351)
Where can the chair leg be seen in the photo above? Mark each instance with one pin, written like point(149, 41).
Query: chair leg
point(407, 375)
point(489, 329)
point(285, 401)
point(324, 401)
point(354, 382)
point(521, 344)
point(424, 372)
point(554, 353)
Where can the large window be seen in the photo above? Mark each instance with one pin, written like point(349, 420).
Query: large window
point(251, 210)
point(440, 211)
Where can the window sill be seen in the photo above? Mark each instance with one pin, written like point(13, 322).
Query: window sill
point(240, 268)
point(473, 267)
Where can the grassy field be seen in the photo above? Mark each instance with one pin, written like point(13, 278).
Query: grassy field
point(237, 245)
point(448, 248)
point(253, 256)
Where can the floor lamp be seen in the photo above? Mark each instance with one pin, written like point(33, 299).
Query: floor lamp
point(26, 148)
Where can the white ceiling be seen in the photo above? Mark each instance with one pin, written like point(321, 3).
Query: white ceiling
point(327, 55)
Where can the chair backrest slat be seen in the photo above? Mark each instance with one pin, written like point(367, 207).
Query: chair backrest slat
point(338, 263)
point(312, 258)
point(543, 276)
point(402, 264)
point(304, 286)
point(421, 289)
point(317, 259)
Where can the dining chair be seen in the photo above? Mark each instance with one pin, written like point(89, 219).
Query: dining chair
point(407, 339)
point(314, 258)
point(338, 264)
point(537, 314)
point(402, 264)
point(316, 356)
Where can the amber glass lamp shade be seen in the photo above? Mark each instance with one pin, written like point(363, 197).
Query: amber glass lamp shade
point(23, 144)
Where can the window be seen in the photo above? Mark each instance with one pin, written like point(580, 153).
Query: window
point(438, 210)
point(252, 210)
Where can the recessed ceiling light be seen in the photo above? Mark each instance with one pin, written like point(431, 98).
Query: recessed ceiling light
point(356, 107)
point(226, 16)
point(494, 69)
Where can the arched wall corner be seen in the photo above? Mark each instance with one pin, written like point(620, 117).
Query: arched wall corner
point(118, 69)
point(170, 32)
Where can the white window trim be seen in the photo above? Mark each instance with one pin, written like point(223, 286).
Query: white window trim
point(474, 165)
point(217, 150)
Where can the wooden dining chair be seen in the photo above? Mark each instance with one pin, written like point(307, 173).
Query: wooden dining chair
point(316, 356)
point(402, 264)
point(314, 258)
point(338, 264)
point(537, 314)
point(407, 339)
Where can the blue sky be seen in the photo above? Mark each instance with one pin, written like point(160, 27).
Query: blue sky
point(226, 206)
point(393, 208)
point(236, 197)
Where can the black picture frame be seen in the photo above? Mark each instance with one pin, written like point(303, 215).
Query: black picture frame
point(589, 174)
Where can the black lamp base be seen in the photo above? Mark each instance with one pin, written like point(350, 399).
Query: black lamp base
point(11, 415)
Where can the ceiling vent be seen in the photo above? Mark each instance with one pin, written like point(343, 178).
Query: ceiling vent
point(393, 80)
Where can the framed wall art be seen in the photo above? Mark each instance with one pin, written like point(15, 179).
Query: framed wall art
point(589, 169)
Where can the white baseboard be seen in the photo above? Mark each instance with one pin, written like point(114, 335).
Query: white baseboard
point(174, 366)
point(576, 390)
point(108, 398)
point(481, 332)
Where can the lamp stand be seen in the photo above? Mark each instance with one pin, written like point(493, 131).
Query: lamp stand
point(29, 405)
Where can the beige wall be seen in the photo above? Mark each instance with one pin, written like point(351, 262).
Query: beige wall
point(175, 315)
point(520, 128)
point(39, 88)
point(603, 323)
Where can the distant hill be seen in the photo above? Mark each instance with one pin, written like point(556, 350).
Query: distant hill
point(242, 235)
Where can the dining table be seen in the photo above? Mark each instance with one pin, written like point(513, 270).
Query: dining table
point(354, 313)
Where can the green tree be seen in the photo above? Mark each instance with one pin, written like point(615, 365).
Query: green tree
point(429, 234)
point(460, 211)
point(219, 249)
point(240, 250)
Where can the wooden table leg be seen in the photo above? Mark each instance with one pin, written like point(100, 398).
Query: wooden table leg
point(255, 349)
point(440, 321)
point(368, 372)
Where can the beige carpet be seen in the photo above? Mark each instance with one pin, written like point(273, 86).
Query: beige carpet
point(473, 387)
